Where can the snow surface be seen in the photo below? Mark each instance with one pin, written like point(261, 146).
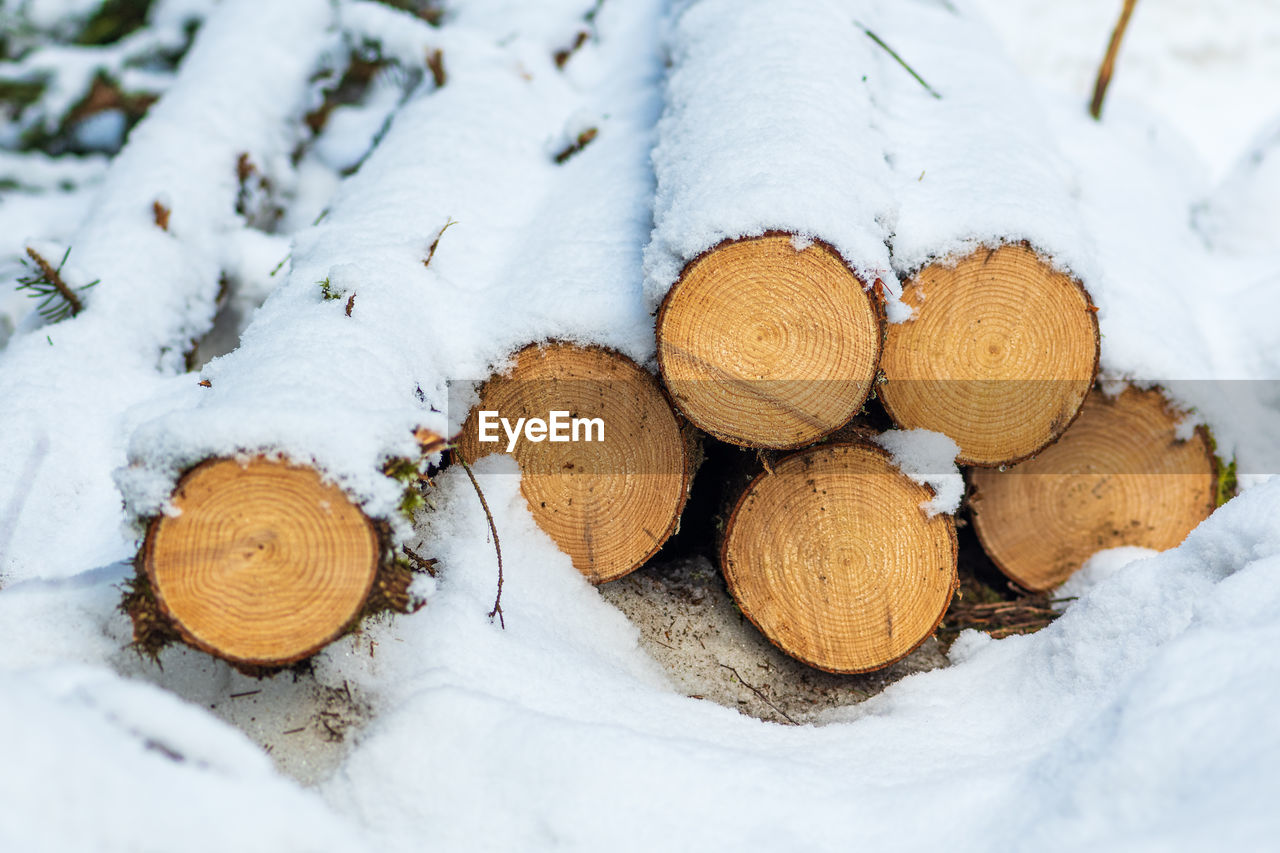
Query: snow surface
point(978, 165)
point(74, 392)
point(1143, 718)
point(929, 458)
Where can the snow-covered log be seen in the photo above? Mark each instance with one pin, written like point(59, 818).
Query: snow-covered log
point(1132, 470)
point(833, 556)
point(157, 280)
point(609, 504)
point(408, 283)
point(770, 220)
point(1002, 344)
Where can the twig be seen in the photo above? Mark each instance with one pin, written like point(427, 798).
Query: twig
point(1109, 61)
point(875, 38)
point(420, 563)
point(582, 141)
point(435, 64)
point(493, 528)
point(763, 697)
point(431, 252)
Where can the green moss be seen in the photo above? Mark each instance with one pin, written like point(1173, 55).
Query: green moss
point(403, 469)
point(1227, 483)
point(17, 95)
point(114, 20)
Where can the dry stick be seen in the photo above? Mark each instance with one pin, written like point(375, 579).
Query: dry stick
point(493, 528)
point(435, 63)
point(161, 215)
point(763, 698)
point(1109, 61)
point(431, 252)
point(875, 38)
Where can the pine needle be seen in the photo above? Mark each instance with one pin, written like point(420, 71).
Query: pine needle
point(44, 282)
point(875, 38)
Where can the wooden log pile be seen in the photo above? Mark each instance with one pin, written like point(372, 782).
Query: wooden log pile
point(809, 280)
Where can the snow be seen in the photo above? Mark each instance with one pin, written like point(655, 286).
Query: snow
point(1143, 713)
point(928, 458)
point(962, 183)
point(71, 390)
point(1142, 718)
point(1098, 568)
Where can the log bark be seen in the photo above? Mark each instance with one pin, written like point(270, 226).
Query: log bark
point(999, 354)
point(830, 555)
point(609, 504)
point(1120, 476)
point(765, 345)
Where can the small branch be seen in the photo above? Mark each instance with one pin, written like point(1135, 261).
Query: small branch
point(420, 563)
point(582, 141)
point(493, 528)
point(431, 252)
point(435, 64)
point(875, 38)
point(763, 698)
point(1109, 61)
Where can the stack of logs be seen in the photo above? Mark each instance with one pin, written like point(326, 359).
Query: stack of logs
point(827, 549)
point(771, 342)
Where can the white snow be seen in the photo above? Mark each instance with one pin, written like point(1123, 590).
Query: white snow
point(74, 391)
point(1144, 713)
point(978, 165)
point(929, 458)
point(1142, 719)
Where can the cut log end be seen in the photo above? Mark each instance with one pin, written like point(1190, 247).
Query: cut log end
point(1120, 476)
point(999, 355)
point(764, 345)
point(264, 564)
point(610, 504)
point(831, 556)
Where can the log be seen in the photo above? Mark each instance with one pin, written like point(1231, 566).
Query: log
point(1120, 476)
point(765, 345)
point(771, 221)
point(832, 557)
point(1002, 346)
point(999, 354)
point(609, 504)
point(265, 564)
